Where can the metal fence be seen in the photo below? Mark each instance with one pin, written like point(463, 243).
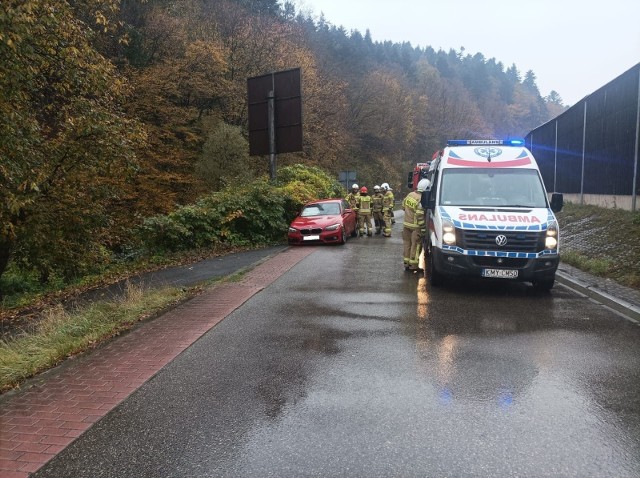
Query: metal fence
point(590, 152)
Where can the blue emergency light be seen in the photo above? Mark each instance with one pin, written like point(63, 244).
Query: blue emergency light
point(485, 142)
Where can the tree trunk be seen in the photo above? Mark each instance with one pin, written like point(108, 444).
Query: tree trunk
point(5, 254)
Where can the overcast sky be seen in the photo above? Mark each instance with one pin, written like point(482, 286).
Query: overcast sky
point(572, 46)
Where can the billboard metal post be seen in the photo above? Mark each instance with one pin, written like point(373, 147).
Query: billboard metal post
point(272, 134)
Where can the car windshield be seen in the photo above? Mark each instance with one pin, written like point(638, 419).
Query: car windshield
point(492, 187)
point(326, 209)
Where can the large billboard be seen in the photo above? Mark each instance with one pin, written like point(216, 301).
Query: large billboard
point(283, 90)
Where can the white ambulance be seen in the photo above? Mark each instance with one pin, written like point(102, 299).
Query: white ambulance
point(488, 215)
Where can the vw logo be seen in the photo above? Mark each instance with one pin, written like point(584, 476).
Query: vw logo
point(488, 152)
point(501, 240)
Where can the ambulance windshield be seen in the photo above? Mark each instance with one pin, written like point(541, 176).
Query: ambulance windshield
point(503, 187)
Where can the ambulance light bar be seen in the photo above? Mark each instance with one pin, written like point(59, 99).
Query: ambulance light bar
point(484, 142)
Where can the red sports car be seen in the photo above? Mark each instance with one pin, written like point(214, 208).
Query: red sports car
point(323, 221)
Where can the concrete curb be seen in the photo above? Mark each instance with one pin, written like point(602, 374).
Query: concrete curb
point(630, 311)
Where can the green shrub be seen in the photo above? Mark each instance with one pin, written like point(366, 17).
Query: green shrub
point(252, 215)
point(296, 194)
point(300, 184)
point(15, 283)
point(162, 233)
point(324, 185)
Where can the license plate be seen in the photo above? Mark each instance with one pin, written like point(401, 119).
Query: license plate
point(311, 238)
point(500, 273)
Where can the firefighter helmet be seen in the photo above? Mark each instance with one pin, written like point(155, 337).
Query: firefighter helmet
point(376, 188)
point(364, 189)
point(423, 185)
point(385, 186)
point(354, 186)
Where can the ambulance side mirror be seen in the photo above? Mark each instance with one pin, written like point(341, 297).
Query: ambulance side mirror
point(557, 202)
point(424, 199)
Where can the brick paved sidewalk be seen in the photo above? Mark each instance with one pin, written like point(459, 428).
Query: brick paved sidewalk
point(40, 421)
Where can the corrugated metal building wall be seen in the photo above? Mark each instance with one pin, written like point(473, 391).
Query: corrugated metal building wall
point(590, 152)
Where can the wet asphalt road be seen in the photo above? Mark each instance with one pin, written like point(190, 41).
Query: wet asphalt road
point(348, 366)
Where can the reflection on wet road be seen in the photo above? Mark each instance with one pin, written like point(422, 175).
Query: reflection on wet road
point(349, 366)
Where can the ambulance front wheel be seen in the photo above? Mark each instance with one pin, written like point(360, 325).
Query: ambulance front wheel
point(433, 276)
point(544, 285)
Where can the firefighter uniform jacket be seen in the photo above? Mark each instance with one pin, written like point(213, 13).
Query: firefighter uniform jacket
point(364, 204)
point(377, 202)
point(413, 212)
point(352, 199)
point(387, 202)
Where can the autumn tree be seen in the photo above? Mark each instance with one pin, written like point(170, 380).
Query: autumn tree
point(384, 115)
point(175, 98)
point(326, 132)
point(253, 47)
point(224, 156)
point(451, 113)
point(66, 147)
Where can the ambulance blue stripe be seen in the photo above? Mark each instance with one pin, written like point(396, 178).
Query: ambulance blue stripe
point(510, 255)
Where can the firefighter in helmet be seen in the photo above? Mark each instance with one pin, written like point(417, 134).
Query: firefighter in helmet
point(413, 227)
point(352, 196)
point(364, 212)
point(376, 206)
point(387, 208)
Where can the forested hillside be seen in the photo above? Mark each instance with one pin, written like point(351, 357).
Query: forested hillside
point(112, 111)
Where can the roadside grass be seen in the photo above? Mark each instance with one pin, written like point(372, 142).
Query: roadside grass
point(595, 266)
point(604, 242)
point(62, 334)
point(236, 277)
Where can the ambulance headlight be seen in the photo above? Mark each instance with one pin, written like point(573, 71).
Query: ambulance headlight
point(448, 233)
point(551, 241)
